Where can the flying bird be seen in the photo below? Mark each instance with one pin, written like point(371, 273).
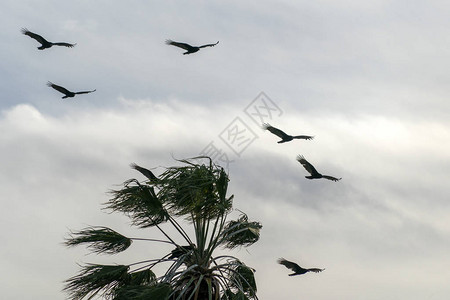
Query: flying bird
point(44, 43)
point(285, 137)
point(296, 268)
point(313, 171)
point(190, 49)
point(67, 93)
point(147, 173)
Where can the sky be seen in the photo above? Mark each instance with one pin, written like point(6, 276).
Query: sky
point(369, 80)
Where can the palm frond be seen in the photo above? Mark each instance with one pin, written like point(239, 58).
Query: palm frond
point(99, 240)
point(143, 277)
point(159, 291)
point(140, 203)
point(93, 279)
point(197, 190)
point(240, 232)
point(243, 279)
point(229, 295)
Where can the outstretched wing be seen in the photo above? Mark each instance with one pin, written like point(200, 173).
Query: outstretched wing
point(315, 270)
point(307, 165)
point(59, 88)
point(64, 44)
point(85, 92)
point(303, 137)
point(180, 45)
point(289, 264)
point(209, 45)
point(35, 36)
point(331, 178)
point(276, 131)
point(147, 173)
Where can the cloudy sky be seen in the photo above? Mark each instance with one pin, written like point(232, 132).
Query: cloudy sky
point(369, 80)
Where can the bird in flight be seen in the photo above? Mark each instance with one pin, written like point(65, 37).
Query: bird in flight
point(190, 49)
point(147, 173)
point(296, 268)
point(67, 93)
point(44, 43)
point(285, 137)
point(310, 168)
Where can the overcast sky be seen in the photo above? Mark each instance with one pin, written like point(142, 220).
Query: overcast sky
point(368, 79)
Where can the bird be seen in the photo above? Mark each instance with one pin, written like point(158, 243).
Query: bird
point(181, 250)
point(147, 173)
point(284, 137)
point(190, 49)
point(296, 268)
point(67, 93)
point(310, 168)
point(44, 43)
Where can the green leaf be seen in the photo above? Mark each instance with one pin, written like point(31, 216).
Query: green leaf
point(99, 240)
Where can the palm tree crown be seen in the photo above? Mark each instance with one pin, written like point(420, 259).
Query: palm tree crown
point(193, 192)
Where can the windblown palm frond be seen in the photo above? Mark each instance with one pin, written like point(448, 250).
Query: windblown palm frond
point(199, 191)
point(140, 203)
point(99, 240)
point(240, 232)
point(244, 280)
point(143, 292)
point(93, 279)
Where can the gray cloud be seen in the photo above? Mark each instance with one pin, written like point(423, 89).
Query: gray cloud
point(64, 165)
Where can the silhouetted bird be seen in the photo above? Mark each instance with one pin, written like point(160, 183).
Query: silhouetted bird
point(44, 43)
point(190, 49)
point(313, 171)
point(180, 250)
point(284, 137)
point(67, 93)
point(296, 268)
point(147, 173)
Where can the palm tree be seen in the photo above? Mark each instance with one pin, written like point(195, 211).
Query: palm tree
point(194, 192)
